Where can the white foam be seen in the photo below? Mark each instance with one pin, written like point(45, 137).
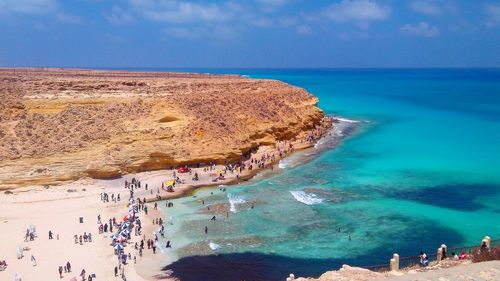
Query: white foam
point(282, 165)
point(233, 200)
point(345, 120)
point(213, 246)
point(306, 198)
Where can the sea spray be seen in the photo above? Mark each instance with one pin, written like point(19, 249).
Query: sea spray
point(306, 198)
point(213, 246)
point(233, 200)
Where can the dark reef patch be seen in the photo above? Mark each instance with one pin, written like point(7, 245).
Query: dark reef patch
point(249, 266)
point(463, 197)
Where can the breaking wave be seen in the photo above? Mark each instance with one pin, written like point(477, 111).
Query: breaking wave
point(233, 200)
point(306, 198)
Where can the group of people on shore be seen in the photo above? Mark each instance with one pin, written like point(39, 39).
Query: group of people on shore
point(424, 259)
point(86, 237)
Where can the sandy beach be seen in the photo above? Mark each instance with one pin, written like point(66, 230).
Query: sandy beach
point(59, 208)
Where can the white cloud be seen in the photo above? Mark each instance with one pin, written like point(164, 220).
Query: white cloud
point(493, 11)
point(34, 7)
point(422, 29)
point(358, 11)
point(303, 30)
point(262, 22)
point(181, 32)
point(176, 11)
point(426, 7)
point(288, 21)
point(119, 16)
point(69, 18)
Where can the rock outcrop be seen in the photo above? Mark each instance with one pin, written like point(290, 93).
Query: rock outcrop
point(345, 273)
point(58, 124)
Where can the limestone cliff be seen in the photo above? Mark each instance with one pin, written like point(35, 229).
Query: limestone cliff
point(58, 124)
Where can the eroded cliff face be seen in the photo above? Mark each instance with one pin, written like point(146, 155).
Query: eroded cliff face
point(58, 125)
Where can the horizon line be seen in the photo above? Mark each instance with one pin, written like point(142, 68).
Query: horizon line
point(251, 68)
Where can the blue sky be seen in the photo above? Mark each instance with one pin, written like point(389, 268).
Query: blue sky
point(251, 33)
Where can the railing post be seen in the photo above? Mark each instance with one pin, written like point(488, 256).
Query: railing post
point(439, 255)
point(444, 250)
point(487, 241)
point(394, 262)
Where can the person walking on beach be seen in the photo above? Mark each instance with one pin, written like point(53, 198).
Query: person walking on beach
point(68, 266)
point(50, 234)
point(33, 260)
point(60, 271)
point(116, 271)
point(83, 274)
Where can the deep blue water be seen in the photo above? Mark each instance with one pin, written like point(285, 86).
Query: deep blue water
point(424, 170)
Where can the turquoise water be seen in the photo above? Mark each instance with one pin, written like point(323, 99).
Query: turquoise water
point(424, 170)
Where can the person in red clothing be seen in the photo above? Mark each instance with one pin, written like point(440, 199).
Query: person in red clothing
point(463, 255)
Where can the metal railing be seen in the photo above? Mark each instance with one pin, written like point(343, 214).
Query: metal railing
point(379, 268)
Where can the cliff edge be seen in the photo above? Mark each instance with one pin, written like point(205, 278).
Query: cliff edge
point(59, 124)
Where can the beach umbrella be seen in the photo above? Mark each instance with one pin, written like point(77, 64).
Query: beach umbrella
point(170, 183)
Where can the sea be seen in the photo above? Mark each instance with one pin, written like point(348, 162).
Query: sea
point(420, 169)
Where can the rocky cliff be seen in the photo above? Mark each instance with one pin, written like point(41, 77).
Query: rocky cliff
point(59, 124)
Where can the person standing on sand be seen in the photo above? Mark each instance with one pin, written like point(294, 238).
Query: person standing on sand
point(50, 234)
point(60, 271)
point(83, 274)
point(116, 271)
point(33, 260)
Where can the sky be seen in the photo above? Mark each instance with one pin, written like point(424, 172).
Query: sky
point(250, 33)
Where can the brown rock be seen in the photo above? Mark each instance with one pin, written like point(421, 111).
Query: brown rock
point(88, 123)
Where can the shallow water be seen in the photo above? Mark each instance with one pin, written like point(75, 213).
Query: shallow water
point(424, 170)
